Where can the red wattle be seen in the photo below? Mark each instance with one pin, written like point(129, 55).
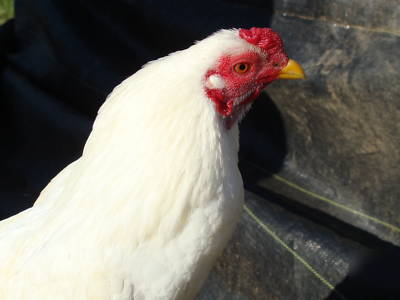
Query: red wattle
point(223, 107)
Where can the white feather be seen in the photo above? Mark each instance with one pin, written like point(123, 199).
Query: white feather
point(150, 204)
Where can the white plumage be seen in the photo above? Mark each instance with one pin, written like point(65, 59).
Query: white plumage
point(154, 198)
point(156, 190)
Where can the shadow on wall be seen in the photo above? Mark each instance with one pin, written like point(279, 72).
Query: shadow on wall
point(262, 136)
point(376, 278)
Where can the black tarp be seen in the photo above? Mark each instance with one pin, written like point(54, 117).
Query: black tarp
point(319, 157)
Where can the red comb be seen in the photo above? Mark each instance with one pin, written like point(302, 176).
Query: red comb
point(265, 38)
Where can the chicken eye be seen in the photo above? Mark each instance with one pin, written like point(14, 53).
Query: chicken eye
point(241, 68)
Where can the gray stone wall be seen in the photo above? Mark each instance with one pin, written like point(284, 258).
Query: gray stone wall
point(343, 123)
point(324, 171)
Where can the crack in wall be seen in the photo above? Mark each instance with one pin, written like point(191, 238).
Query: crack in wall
point(338, 24)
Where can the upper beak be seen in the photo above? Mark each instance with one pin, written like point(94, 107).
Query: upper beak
point(293, 70)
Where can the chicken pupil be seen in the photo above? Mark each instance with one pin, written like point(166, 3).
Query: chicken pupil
point(242, 67)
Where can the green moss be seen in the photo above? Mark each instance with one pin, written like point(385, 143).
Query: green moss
point(6, 10)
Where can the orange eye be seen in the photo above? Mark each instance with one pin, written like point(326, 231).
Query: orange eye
point(241, 68)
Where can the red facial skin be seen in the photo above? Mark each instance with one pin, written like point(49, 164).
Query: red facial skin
point(264, 67)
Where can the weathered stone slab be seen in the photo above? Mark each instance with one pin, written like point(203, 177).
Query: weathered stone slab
point(322, 155)
point(342, 124)
point(375, 15)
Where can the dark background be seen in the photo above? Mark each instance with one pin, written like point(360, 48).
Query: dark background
point(335, 135)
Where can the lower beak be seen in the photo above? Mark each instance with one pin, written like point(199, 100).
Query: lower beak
point(293, 70)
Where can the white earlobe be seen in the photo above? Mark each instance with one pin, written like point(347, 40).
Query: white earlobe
point(215, 82)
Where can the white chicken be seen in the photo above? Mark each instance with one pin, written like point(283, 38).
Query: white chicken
point(155, 196)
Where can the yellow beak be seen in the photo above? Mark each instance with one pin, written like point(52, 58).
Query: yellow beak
point(293, 70)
